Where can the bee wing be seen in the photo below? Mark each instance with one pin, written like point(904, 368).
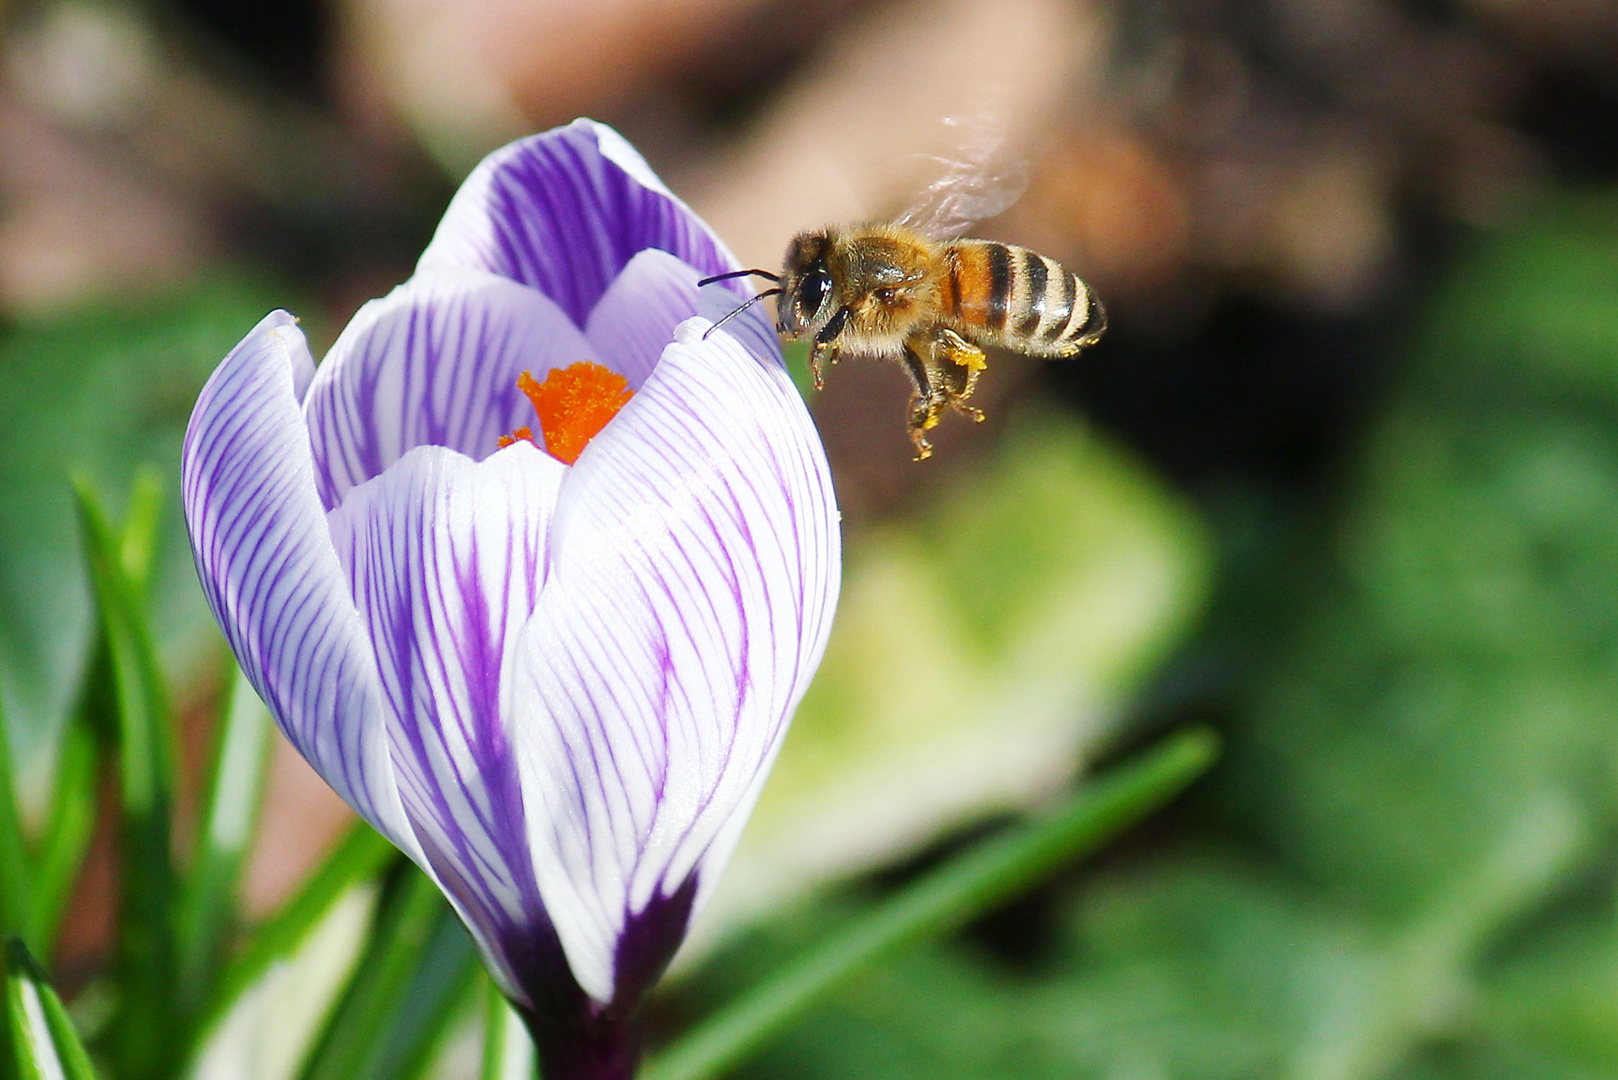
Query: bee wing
point(979, 181)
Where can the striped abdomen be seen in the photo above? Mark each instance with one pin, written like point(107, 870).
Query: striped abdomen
point(1008, 295)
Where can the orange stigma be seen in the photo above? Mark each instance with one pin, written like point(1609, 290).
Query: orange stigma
point(524, 433)
point(573, 405)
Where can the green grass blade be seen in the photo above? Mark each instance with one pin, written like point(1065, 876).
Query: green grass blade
point(137, 541)
point(361, 855)
point(67, 831)
point(10, 1056)
point(361, 1039)
point(43, 1038)
point(229, 825)
point(439, 993)
point(32, 1050)
point(143, 1042)
point(941, 902)
point(496, 1016)
point(507, 1052)
point(16, 884)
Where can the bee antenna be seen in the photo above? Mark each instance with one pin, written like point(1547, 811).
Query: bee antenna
point(738, 311)
point(737, 274)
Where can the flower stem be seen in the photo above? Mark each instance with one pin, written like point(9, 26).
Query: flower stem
point(946, 899)
point(588, 1045)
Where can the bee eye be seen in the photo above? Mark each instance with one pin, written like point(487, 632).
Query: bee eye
point(812, 292)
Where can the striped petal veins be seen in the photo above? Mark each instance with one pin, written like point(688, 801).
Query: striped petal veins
point(557, 688)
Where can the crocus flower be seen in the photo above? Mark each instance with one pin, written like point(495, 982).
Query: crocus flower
point(556, 680)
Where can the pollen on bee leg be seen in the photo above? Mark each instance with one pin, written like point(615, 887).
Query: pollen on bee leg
point(573, 405)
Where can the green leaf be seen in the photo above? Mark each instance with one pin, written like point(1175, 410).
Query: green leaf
point(268, 1030)
point(43, 1038)
point(144, 1040)
point(496, 1018)
point(228, 827)
point(359, 857)
point(15, 880)
point(946, 899)
point(439, 992)
point(137, 546)
point(67, 830)
point(417, 963)
point(508, 1054)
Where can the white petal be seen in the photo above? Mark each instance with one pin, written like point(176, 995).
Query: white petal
point(271, 575)
point(433, 363)
point(447, 558)
point(695, 565)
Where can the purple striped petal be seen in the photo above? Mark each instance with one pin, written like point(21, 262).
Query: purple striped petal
point(271, 575)
point(434, 363)
point(564, 212)
point(447, 558)
point(635, 319)
point(695, 559)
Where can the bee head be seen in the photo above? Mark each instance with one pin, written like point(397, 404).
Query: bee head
point(806, 286)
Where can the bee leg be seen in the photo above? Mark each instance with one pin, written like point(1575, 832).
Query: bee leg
point(965, 362)
point(926, 402)
point(826, 344)
point(817, 352)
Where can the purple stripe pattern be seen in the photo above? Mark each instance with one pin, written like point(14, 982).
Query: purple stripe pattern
point(557, 688)
point(271, 575)
point(434, 363)
point(564, 214)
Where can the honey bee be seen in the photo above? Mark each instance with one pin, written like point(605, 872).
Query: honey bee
point(890, 290)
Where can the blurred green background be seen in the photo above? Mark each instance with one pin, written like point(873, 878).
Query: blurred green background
point(1342, 480)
